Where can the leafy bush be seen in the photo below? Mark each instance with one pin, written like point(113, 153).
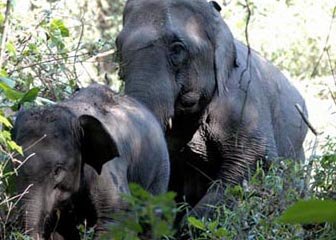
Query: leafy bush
point(260, 202)
point(9, 228)
point(322, 187)
point(324, 178)
point(148, 217)
point(257, 204)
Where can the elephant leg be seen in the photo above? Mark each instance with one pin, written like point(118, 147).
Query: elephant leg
point(240, 153)
point(160, 183)
point(301, 155)
point(205, 208)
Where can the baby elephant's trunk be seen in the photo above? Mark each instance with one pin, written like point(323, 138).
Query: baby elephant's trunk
point(38, 223)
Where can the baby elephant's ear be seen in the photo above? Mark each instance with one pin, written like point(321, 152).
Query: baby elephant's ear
point(97, 145)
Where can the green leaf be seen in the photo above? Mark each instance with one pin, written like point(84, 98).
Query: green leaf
point(133, 226)
point(13, 146)
point(160, 229)
point(11, 49)
point(5, 121)
point(8, 81)
point(30, 96)
point(311, 211)
point(58, 24)
point(3, 73)
point(212, 226)
point(9, 178)
point(196, 223)
point(222, 232)
point(10, 93)
point(57, 42)
point(139, 192)
point(2, 19)
point(6, 135)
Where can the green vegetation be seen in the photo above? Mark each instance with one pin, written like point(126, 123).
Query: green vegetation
point(49, 48)
point(150, 217)
point(259, 204)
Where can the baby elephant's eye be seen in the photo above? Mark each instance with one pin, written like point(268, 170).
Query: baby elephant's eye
point(59, 174)
point(178, 54)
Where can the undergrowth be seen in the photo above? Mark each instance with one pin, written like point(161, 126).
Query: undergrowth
point(255, 206)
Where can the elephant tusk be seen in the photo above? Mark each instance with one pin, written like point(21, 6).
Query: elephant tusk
point(170, 123)
point(58, 215)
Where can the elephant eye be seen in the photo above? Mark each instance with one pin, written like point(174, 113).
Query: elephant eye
point(177, 53)
point(59, 174)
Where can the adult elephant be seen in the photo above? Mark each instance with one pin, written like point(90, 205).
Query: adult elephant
point(80, 156)
point(222, 107)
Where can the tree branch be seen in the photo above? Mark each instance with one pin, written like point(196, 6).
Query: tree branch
point(325, 48)
point(247, 67)
point(4, 32)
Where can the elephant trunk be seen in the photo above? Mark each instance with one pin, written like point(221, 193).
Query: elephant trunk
point(149, 81)
point(32, 218)
point(37, 215)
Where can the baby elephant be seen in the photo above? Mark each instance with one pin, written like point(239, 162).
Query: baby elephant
point(80, 155)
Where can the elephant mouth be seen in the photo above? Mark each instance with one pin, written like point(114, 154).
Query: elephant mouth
point(187, 103)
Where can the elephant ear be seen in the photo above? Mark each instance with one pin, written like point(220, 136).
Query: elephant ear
point(97, 145)
point(225, 51)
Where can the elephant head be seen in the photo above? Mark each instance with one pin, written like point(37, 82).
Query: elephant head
point(175, 56)
point(56, 145)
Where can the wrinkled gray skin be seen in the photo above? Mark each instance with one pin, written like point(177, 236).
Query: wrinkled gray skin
point(180, 59)
point(82, 153)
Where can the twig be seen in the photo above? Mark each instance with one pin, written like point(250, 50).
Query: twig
point(101, 55)
point(4, 32)
point(46, 61)
point(333, 73)
point(86, 71)
point(23, 162)
point(45, 82)
point(332, 95)
point(200, 171)
point(77, 48)
point(299, 109)
point(54, 59)
point(36, 142)
point(249, 13)
point(247, 68)
point(33, 144)
point(334, 77)
point(18, 197)
point(325, 44)
point(310, 168)
point(25, 41)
